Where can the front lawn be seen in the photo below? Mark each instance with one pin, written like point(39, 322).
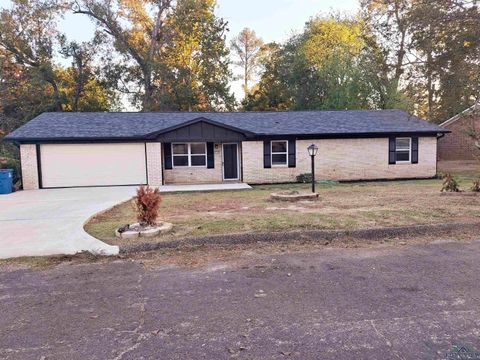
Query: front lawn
point(343, 206)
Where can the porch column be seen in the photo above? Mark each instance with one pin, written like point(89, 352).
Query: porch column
point(29, 164)
point(154, 163)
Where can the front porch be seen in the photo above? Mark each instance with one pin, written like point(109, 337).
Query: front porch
point(203, 187)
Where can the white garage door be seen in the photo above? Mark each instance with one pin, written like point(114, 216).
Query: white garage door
point(65, 165)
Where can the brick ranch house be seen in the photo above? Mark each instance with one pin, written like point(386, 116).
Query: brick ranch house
point(460, 145)
point(106, 149)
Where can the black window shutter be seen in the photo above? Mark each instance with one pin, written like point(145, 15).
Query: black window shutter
point(291, 154)
point(167, 155)
point(392, 157)
point(210, 155)
point(415, 150)
point(267, 160)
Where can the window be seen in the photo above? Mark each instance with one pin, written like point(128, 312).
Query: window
point(403, 150)
point(189, 154)
point(279, 153)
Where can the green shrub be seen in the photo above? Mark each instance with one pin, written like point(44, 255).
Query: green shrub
point(450, 183)
point(304, 178)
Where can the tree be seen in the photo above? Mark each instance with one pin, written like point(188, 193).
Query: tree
point(27, 32)
point(166, 47)
point(247, 47)
point(81, 84)
point(137, 35)
point(390, 21)
point(432, 48)
point(334, 64)
point(272, 92)
point(197, 59)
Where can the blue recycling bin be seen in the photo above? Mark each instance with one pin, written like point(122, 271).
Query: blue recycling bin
point(6, 181)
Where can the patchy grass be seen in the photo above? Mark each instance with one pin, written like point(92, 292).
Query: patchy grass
point(343, 206)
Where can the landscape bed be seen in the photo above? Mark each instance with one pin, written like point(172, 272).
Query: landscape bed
point(344, 206)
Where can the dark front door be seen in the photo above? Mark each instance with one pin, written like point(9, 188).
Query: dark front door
point(230, 161)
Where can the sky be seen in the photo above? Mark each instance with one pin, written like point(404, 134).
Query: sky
point(272, 20)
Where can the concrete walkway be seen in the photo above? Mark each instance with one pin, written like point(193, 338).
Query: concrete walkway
point(205, 187)
point(50, 221)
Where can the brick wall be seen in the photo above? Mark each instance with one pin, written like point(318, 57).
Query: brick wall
point(197, 175)
point(28, 157)
point(459, 145)
point(154, 163)
point(340, 159)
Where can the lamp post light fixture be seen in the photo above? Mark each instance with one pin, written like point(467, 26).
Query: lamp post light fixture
point(312, 151)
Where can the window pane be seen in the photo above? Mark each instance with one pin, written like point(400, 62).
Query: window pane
point(180, 160)
point(279, 146)
point(197, 148)
point(180, 149)
point(403, 144)
point(403, 156)
point(279, 159)
point(198, 160)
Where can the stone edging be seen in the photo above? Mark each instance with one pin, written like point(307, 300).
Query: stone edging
point(293, 197)
point(305, 235)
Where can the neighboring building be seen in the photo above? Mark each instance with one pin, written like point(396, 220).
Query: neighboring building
point(105, 149)
point(460, 145)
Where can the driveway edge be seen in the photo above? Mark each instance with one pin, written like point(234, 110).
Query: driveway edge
point(306, 235)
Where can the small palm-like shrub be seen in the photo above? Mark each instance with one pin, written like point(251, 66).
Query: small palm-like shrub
point(476, 186)
point(147, 203)
point(450, 183)
point(304, 178)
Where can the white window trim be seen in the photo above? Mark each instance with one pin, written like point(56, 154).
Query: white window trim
point(278, 153)
point(189, 155)
point(409, 161)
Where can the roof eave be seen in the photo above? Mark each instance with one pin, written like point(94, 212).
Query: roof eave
point(355, 135)
point(73, 139)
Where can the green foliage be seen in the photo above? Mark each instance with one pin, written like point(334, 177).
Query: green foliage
point(304, 178)
point(432, 50)
point(450, 184)
point(333, 64)
point(173, 54)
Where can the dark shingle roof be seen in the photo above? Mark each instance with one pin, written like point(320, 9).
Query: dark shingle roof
point(126, 125)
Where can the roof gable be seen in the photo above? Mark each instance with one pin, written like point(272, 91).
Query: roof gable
point(200, 129)
point(461, 115)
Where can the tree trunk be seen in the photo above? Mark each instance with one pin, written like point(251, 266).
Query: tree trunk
point(147, 103)
point(430, 86)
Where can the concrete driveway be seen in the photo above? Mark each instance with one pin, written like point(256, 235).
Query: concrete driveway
point(48, 222)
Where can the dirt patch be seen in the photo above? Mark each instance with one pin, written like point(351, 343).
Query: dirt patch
point(320, 236)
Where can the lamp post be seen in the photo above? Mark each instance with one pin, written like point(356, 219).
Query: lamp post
point(312, 151)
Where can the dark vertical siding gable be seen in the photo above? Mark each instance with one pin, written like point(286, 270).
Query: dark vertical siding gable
point(201, 132)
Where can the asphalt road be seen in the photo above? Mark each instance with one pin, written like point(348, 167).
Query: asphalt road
point(411, 302)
